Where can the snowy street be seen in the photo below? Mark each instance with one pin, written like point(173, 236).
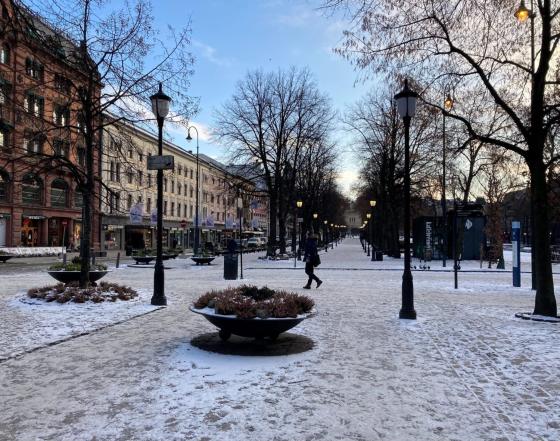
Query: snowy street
point(467, 369)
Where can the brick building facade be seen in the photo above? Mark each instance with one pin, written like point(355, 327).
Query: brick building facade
point(40, 205)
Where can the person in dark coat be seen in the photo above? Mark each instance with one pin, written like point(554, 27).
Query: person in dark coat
point(310, 257)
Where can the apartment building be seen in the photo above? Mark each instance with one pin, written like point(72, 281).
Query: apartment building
point(130, 193)
point(39, 205)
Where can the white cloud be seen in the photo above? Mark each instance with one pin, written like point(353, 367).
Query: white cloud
point(211, 54)
point(346, 179)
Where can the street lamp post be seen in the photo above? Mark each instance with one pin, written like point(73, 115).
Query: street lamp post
point(522, 14)
point(315, 216)
point(372, 204)
point(368, 221)
point(325, 238)
point(332, 236)
point(448, 105)
point(299, 204)
point(196, 215)
point(160, 107)
point(240, 208)
point(406, 106)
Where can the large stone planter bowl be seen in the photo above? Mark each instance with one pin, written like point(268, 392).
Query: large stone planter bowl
point(255, 328)
point(202, 260)
point(4, 258)
point(74, 276)
point(143, 259)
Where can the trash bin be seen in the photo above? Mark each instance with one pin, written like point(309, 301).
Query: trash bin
point(230, 266)
point(379, 256)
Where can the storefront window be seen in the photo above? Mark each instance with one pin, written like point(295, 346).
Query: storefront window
point(78, 199)
point(4, 186)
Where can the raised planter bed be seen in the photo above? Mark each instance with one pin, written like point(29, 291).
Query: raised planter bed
point(199, 260)
point(74, 276)
point(4, 258)
point(143, 259)
point(254, 328)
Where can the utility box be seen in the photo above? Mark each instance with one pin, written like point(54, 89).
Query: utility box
point(230, 265)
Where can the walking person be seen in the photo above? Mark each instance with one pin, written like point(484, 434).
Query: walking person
point(311, 258)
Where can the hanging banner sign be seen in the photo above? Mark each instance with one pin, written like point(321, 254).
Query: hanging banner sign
point(210, 221)
point(153, 216)
point(230, 223)
point(136, 213)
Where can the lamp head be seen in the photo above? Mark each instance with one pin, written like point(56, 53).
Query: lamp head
point(299, 204)
point(406, 101)
point(368, 215)
point(160, 103)
point(315, 215)
point(325, 222)
point(372, 203)
point(448, 103)
point(522, 13)
point(189, 137)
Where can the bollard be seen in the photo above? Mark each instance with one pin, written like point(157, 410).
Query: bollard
point(118, 258)
point(93, 259)
point(64, 259)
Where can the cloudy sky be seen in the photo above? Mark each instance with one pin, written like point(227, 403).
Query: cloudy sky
point(230, 37)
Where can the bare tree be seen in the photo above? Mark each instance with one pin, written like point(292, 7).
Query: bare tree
point(270, 119)
point(443, 40)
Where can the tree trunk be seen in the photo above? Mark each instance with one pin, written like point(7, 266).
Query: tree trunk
point(273, 215)
point(85, 239)
point(545, 302)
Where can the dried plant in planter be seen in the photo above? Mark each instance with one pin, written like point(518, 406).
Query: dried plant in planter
point(71, 292)
point(247, 302)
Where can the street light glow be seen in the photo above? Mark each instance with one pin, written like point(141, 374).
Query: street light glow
point(522, 13)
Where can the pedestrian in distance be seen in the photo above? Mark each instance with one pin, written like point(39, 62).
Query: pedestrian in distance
point(312, 260)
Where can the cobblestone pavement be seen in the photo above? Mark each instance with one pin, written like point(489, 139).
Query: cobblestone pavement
point(465, 370)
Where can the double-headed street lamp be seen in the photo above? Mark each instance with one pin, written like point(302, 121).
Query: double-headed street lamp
point(406, 106)
point(448, 105)
point(160, 107)
point(196, 215)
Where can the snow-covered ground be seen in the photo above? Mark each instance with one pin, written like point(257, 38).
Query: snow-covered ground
point(465, 370)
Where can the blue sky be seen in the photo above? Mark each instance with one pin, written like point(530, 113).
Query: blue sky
point(230, 37)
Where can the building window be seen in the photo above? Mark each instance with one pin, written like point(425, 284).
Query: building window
point(61, 115)
point(81, 154)
point(178, 210)
point(140, 157)
point(34, 104)
point(31, 189)
point(149, 180)
point(179, 188)
point(172, 208)
point(4, 139)
point(59, 193)
point(179, 170)
point(165, 208)
point(4, 186)
point(34, 69)
point(129, 202)
point(185, 210)
point(33, 144)
point(61, 148)
point(118, 173)
point(165, 184)
point(172, 186)
point(112, 171)
point(78, 198)
point(62, 84)
point(191, 211)
point(191, 173)
point(149, 205)
point(117, 202)
point(191, 191)
point(130, 176)
point(140, 177)
point(130, 153)
point(5, 54)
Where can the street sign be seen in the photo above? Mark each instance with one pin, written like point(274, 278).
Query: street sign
point(183, 224)
point(164, 162)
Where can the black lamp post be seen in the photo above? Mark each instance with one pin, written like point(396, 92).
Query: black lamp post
point(325, 238)
point(240, 208)
point(368, 222)
point(372, 204)
point(196, 215)
point(160, 107)
point(315, 216)
point(448, 104)
point(332, 236)
point(299, 204)
point(406, 106)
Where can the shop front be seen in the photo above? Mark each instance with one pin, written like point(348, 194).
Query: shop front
point(113, 237)
point(32, 230)
point(139, 237)
point(59, 231)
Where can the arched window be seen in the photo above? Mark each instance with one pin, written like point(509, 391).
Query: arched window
point(5, 54)
point(78, 198)
point(59, 193)
point(31, 189)
point(4, 186)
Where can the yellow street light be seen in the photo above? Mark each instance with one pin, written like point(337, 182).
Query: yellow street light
point(372, 203)
point(448, 103)
point(299, 204)
point(315, 215)
point(522, 13)
point(368, 215)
